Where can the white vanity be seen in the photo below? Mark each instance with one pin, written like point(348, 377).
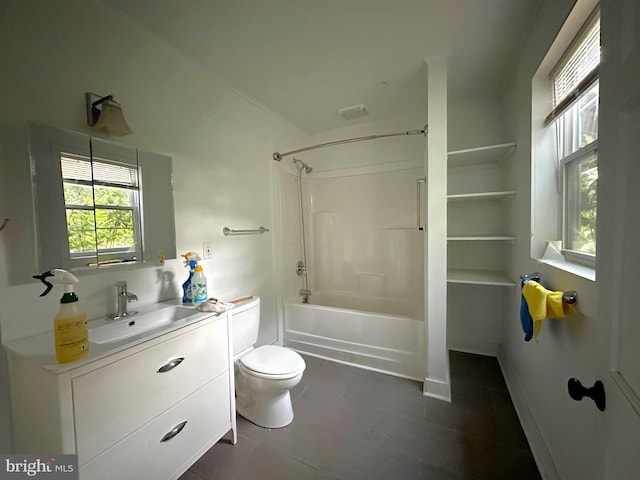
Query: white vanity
point(147, 406)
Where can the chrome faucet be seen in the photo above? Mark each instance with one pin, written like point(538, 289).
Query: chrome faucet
point(305, 295)
point(123, 298)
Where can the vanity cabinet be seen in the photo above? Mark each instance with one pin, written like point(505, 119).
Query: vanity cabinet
point(145, 411)
point(476, 215)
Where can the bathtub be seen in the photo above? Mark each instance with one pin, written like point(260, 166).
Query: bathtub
point(368, 332)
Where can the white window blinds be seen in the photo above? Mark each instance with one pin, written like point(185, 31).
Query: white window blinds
point(85, 171)
point(577, 70)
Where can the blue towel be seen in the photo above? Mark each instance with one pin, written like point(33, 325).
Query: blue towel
point(525, 316)
point(526, 320)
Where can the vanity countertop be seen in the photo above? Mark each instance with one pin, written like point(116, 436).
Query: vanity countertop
point(40, 349)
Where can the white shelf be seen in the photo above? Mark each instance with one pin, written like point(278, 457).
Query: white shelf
point(490, 155)
point(491, 238)
point(481, 196)
point(480, 155)
point(479, 277)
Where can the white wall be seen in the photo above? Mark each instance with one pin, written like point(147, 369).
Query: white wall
point(221, 143)
point(362, 235)
point(565, 348)
point(373, 153)
point(475, 123)
point(437, 382)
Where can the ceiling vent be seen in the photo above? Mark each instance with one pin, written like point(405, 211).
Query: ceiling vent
point(353, 112)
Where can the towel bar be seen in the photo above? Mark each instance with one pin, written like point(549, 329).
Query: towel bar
point(569, 297)
point(228, 231)
point(535, 276)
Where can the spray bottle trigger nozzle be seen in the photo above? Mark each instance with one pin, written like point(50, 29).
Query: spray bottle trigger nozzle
point(42, 278)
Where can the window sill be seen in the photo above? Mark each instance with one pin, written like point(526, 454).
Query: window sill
point(554, 258)
point(577, 269)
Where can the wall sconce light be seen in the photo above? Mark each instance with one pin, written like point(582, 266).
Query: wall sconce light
point(104, 115)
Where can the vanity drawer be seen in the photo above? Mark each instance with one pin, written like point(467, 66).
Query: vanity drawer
point(143, 455)
point(111, 402)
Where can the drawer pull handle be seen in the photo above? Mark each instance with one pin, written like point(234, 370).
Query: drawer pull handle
point(171, 365)
point(174, 431)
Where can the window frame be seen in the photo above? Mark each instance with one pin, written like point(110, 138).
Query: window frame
point(547, 180)
point(102, 255)
point(573, 255)
point(562, 112)
point(59, 226)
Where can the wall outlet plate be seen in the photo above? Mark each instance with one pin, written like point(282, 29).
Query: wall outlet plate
point(207, 250)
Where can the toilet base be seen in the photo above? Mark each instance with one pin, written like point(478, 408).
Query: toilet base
point(266, 410)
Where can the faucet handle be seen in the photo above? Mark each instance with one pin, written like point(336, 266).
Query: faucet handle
point(122, 286)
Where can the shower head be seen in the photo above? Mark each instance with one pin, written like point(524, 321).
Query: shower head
point(302, 166)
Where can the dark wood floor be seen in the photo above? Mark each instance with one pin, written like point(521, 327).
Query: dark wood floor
point(355, 424)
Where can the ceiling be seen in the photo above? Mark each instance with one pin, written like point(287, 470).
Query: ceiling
point(305, 59)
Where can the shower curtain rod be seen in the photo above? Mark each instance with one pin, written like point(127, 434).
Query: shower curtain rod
point(278, 156)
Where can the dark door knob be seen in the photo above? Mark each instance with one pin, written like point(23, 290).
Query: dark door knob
point(596, 393)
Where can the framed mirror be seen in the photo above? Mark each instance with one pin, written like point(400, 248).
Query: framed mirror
point(98, 203)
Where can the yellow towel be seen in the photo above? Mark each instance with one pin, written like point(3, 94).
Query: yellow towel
point(542, 304)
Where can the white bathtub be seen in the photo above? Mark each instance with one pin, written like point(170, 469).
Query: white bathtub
point(362, 331)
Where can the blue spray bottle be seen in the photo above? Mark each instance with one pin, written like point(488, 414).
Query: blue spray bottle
point(190, 260)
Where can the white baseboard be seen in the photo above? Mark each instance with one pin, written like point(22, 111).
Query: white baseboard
point(437, 389)
point(546, 466)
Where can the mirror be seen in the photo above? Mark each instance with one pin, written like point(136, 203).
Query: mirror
point(98, 203)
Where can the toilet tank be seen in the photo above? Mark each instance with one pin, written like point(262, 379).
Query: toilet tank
point(245, 317)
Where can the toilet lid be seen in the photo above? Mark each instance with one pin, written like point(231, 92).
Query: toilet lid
point(273, 360)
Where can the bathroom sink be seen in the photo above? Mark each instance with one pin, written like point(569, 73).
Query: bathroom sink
point(113, 330)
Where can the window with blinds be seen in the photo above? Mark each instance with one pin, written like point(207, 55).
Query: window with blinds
point(578, 67)
point(575, 90)
point(101, 202)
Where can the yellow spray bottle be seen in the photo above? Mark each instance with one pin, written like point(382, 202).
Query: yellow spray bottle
point(70, 324)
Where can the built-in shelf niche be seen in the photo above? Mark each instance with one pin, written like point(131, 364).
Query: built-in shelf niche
point(479, 277)
point(480, 155)
point(461, 197)
point(470, 162)
point(481, 238)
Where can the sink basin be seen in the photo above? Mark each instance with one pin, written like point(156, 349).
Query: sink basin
point(113, 330)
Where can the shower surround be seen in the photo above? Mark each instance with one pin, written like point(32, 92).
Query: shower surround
point(365, 267)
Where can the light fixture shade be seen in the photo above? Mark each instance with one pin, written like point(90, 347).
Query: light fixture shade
point(111, 120)
point(104, 115)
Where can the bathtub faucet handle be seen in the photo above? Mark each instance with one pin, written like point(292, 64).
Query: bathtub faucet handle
point(305, 295)
point(301, 269)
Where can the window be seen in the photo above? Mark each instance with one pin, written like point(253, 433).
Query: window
point(574, 84)
point(96, 204)
point(101, 205)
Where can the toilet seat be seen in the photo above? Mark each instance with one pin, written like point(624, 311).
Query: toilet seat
point(272, 361)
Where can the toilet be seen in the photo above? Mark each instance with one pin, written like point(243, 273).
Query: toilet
point(263, 375)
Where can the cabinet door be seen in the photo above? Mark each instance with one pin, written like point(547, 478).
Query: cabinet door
point(143, 455)
point(115, 400)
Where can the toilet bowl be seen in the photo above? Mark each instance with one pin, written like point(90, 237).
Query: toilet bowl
point(263, 375)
